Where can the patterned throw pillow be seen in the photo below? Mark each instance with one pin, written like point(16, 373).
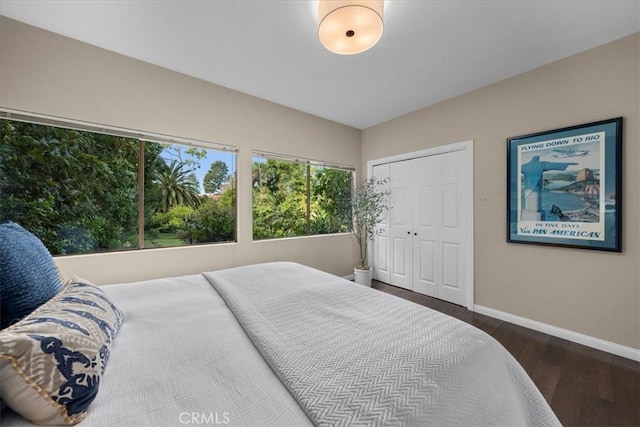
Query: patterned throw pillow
point(28, 275)
point(52, 361)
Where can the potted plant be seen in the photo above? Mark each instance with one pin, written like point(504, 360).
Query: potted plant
point(368, 205)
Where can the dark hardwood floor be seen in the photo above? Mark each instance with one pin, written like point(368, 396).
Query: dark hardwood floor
point(584, 386)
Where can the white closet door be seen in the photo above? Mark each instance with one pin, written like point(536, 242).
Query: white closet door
point(400, 224)
point(426, 256)
point(380, 254)
point(427, 250)
point(452, 212)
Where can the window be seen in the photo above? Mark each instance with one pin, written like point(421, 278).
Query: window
point(190, 196)
point(298, 198)
point(84, 191)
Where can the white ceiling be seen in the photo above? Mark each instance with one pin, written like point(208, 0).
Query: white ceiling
point(430, 50)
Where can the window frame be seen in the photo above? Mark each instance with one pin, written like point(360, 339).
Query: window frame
point(141, 137)
point(308, 164)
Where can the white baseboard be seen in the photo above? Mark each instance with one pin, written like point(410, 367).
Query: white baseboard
point(608, 346)
point(348, 277)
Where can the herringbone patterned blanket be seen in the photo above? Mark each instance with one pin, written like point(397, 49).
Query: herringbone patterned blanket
point(353, 356)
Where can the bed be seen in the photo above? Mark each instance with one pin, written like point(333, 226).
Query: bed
point(282, 344)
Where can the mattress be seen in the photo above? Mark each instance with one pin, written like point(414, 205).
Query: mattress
point(281, 344)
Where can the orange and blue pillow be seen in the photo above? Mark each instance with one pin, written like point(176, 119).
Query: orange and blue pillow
point(52, 361)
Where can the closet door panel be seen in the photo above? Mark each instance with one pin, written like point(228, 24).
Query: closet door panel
point(425, 226)
point(451, 231)
point(450, 270)
point(381, 258)
point(400, 223)
point(381, 244)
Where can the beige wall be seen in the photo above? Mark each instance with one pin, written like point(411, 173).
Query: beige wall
point(49, 74)
point(591, 292)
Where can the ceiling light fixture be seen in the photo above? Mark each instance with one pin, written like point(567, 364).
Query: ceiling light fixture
point(349, 27)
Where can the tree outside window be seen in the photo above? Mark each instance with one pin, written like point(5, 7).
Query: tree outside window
point(78, 191)
point(295, 199)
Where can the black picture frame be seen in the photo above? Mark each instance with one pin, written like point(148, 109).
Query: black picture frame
point(564, 187)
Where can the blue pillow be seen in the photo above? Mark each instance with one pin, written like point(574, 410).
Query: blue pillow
point(28, 275)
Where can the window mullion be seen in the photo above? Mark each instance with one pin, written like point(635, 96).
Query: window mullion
point(308, 199)
point(140, 194)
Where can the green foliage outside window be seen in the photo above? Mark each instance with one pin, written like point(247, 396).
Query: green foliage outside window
point(215, 177)
point(280, 207)
point(330, 200)
point(176, 185)
point(78, 191)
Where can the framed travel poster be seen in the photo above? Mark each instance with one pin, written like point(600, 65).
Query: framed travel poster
point(564, 187)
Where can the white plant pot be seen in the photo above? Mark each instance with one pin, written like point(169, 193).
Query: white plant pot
point(362, 277)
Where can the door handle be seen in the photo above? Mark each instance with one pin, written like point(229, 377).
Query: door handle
point(408, 232)
point(415, 234)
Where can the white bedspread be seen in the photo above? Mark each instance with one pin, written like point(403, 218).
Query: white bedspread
point(349, 354)
point(353, 356)
point(182, 359)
